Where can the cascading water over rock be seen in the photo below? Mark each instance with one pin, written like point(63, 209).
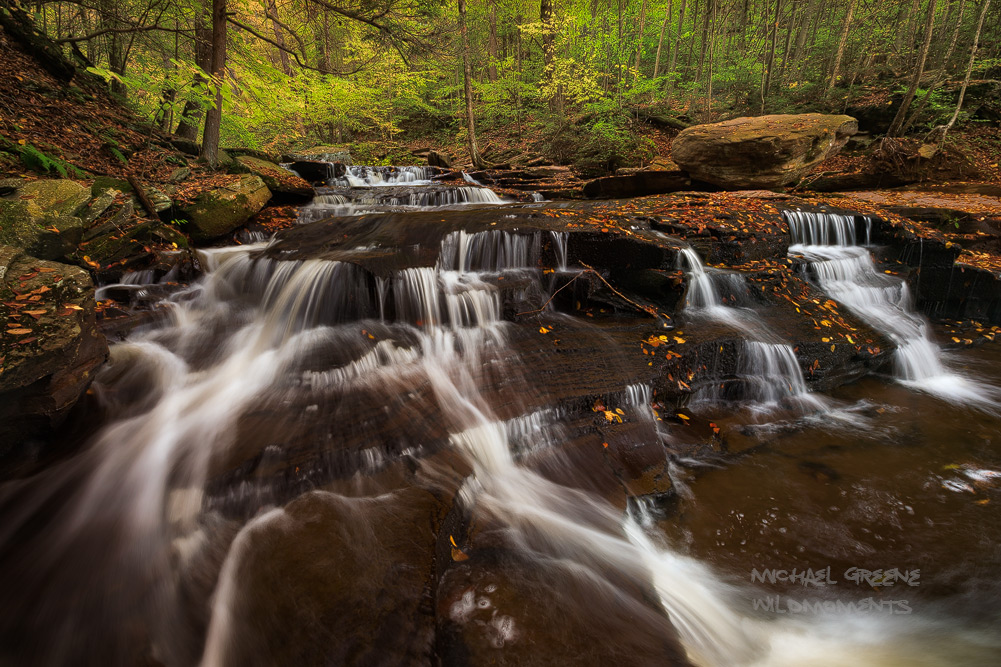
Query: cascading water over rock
point(845, 270)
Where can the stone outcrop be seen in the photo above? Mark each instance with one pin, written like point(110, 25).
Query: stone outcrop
point(313, 171)
point(763, 152)
point(221, 210)
point(637, 184)
point(436, 159)
point(40, 217)
point(281, 182)
point(50, 345)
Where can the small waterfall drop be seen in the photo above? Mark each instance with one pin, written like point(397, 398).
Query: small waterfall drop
point(767, 369)
point(847, 273)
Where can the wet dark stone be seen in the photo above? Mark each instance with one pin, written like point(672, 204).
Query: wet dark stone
point(501, 608)
point(336, 580)
point(315, 172)
point(637, 185)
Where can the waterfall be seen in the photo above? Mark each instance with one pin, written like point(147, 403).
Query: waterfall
point(365, 176)
point(767, 369)
point(560, 240)
point(847, 273)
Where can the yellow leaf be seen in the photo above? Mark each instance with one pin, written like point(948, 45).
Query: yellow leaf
point(544, 330)
point(452, 540)
point(679, 340)
point(832, 347)
point(825, 323)
point(849, 338)
point(685, 417)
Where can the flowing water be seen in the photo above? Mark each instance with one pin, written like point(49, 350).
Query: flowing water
point(257, 491)
point(768, 371)
point(845, 270)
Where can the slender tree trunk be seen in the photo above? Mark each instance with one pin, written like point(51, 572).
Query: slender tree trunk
point(767, 83)
point(707, 113)
point(677, 45)
point(942, 73)
point(279, 37)
point(110, 20)
point(840, 53)
point(492, 43)
point(213, 118)
point(705, 38)
point(191, 115)
point(467, 76)
point(898, 120)
point(639, 37)
point(969, 71)
point(660, 42)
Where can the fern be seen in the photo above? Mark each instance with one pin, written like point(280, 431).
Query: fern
point(38, 161)
point(118, 154)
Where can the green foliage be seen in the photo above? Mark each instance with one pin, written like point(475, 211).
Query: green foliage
point(36, 160)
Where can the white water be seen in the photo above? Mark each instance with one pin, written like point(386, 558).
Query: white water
point(847, 273)
point(145, 486)
point(767, 367)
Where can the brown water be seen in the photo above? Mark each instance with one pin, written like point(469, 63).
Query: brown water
point(896, 479)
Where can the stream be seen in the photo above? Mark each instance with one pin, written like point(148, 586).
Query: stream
point(394, 437)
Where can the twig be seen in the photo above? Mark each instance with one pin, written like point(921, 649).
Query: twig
point(550, 299)
point(649, 310)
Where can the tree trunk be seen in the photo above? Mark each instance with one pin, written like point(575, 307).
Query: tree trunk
point(467, 75)
point(898, 120)
point(705, 38)
point(110, 20)
point(766, 84)
point(492, 43)
point(279, 38)
point(942, 73)
point(213, 118)
point(840, 53)
point(677, 40)
point(191, 116)
point(660, 42)
point(969, 71)
point(639, 37)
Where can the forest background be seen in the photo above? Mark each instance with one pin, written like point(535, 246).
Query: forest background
point(575, 82)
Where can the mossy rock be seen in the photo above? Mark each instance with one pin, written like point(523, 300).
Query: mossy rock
point(279, 181)
point(762, 152)
point(41, 234)
point(56, 196)
point(221, 210)
point(103, 183)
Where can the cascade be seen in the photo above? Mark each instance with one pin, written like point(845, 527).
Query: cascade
point(847, 273)
point(767, 368)
point(328, 353)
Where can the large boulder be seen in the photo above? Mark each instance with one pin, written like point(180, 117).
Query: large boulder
point(40, 217)
point(279, 181)
point(49, 347)
point(221, 210)
point(763, 152)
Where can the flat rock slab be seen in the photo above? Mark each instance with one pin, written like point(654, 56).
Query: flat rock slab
point(763, 152)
